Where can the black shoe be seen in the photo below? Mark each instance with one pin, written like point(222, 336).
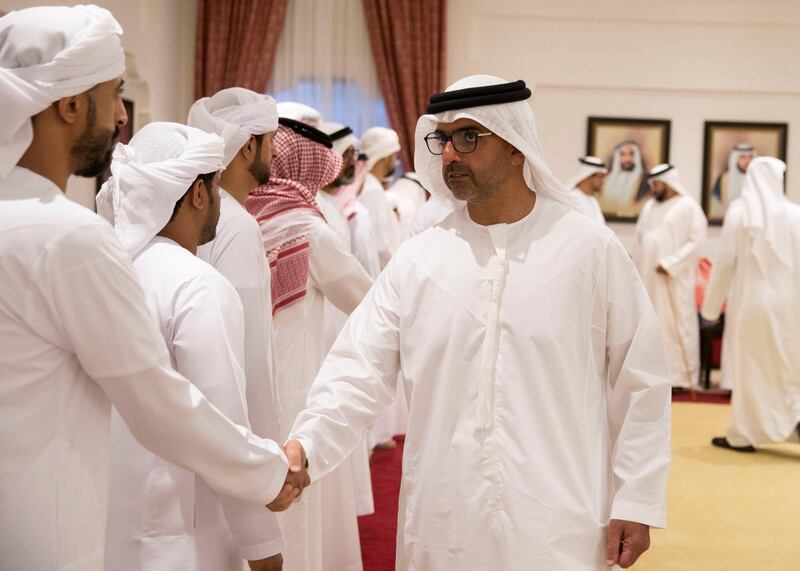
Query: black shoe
point(722, 442)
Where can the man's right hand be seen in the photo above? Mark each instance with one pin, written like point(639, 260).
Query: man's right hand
point(297, 477)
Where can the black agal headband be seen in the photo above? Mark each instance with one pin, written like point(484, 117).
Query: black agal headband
point(306, 131)
point(661, 169)
point(341, 133)
point(478, 96)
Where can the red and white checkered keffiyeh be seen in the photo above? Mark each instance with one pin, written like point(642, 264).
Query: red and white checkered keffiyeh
point(285, 207)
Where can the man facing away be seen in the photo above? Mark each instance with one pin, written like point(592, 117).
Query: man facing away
point(757, 269)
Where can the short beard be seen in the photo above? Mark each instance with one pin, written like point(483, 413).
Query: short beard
point(627, 167)
point(472, 188)
point(94, 147)
point(209, 231)
point(259, 170)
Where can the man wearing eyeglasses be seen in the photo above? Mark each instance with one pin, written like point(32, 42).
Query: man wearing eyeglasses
point(539, 404)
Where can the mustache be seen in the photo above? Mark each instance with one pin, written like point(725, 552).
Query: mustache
point(455, 168)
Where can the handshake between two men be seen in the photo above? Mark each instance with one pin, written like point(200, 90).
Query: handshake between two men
point(297, 477)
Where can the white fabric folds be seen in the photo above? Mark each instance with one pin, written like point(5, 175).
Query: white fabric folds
point(765, 210)
point(299, 112)
point(378, 143)
point(150, 174)
point(587, 169)
point(47, 53)
point(341, 136)
point(235, 114)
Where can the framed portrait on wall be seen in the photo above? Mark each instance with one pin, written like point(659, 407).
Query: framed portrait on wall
point(728, 147)
point(629, 147)
point(125, 135)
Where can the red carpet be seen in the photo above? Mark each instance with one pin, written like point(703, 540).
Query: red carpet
point(378, 531)
point(714, 398)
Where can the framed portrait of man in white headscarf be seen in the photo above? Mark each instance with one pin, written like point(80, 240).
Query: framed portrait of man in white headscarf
point(728, 148)
point(629, 147)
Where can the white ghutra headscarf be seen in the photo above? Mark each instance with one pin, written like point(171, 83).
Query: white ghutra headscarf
point(47, 53)
point(235, 114)
point(150, 174)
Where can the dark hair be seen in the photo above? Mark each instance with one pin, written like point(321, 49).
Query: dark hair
point(208, 181)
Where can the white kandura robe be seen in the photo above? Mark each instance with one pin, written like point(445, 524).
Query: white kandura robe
point(580, 422)
point(237, 253)
point(335, 319)
point(162, 516)
point(670, 234)
point(364, 241)
point(429, 214)
point(76, 336)
point(762, 325)
point(588, 205)
point(385, 225)
point(320, 530)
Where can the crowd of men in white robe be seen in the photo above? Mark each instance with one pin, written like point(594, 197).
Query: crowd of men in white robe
point(263, 304)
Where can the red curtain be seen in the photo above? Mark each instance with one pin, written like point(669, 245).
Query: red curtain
point(236, 43)
point(408, 40)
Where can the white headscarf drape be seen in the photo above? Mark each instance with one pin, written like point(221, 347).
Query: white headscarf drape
point(765, 210)
point(512, 122)
point(378, 143)
point(584, 172)
point(47, 53)
point(235, 114)
point(300, 112)
point(150, 174)
point(672, 178)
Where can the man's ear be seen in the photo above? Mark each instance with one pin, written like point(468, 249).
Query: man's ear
point(517, 158)
point(198, 195)
point(248, 150)
point(68, 109)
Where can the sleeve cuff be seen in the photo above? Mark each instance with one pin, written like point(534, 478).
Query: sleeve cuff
point(261, 550)
point(275, 485)
point(648, 514)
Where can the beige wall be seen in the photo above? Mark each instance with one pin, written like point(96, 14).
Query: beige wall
point(159, 34)
point(684, 60)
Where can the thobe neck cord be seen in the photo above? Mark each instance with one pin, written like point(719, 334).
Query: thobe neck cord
point(307, 131)
point(340, 134)
point(478, 97)
point(656, 171)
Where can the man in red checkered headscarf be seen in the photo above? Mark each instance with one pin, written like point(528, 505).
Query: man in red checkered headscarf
point(309, 264)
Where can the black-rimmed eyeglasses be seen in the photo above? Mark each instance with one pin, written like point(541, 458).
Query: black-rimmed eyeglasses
point(464, 141)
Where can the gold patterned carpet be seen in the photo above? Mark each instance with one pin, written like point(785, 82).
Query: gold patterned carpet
point(727, 511)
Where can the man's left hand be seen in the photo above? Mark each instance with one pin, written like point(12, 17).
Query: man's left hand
point(627, 540)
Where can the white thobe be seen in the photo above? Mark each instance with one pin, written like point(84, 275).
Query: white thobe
point(385, 224)
point(237, 254)
point(588, 205)
point(408, 196)
point(334, 321)
point(161, 516)
point(670, 234)
point(762, 325)
point(321, 530)
point(429, 214)
point(552, 309)
point(76, 334)
point(364, 241)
